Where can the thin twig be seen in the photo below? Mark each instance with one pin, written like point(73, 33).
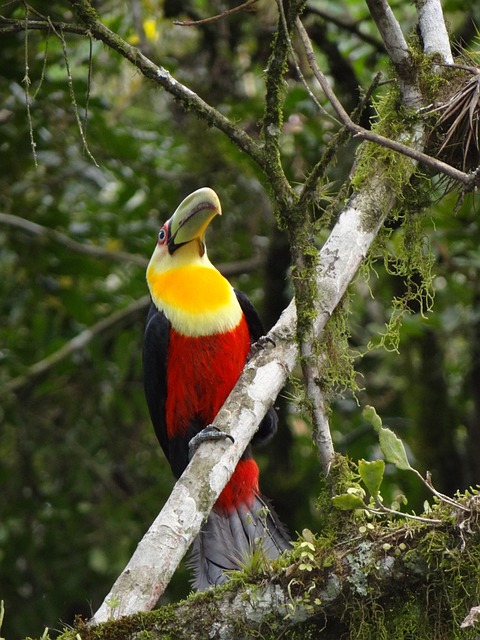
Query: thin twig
point(441, 496)
point(89, 84)
point(79, 247)
point(220, 16)
point(78, 343)
point(44, 67)
point(73, 97)
point(27, 82)
point(381, 509)
point(468, 179)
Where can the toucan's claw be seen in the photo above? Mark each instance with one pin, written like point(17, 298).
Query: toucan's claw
point(260, 344)
point(209, 434)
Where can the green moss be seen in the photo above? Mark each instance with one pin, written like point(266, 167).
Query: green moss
point(401, 243)
point(141, 626)
point(338, 363)
point(420, 585)
point(406, 254)
point(393, 121)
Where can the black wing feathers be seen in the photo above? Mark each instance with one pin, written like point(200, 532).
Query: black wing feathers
point(253, 321)
point(155, 348)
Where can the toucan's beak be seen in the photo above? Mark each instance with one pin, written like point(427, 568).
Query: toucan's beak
point(192, 217)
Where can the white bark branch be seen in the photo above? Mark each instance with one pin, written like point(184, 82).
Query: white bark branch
point(166, 542)
point(433, 30)
point(390, 31)
point(397, 49)
point(158, 554)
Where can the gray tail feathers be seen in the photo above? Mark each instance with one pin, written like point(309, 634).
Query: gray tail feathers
point(227, 540)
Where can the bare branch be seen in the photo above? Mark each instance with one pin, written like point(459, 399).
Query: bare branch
point(470, 180)
point(433, 30)
point(11, 25)
point(220, 16)
point(90, 250)
point(43, 367)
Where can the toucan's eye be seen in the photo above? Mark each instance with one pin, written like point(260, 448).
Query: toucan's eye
point(162, 235)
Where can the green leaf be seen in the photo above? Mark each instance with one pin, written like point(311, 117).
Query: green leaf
point(348, 501)
point(370, 415)
point(393, 449)
point(372, 475)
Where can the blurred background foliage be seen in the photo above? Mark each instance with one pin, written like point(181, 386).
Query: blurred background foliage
point(81, 474)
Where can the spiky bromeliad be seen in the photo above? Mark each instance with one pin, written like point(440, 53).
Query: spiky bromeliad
point(198, 336)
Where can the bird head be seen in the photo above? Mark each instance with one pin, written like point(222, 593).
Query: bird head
point(187, 226)
point(183, 283)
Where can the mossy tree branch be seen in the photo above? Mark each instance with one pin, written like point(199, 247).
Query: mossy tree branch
point(378, 578)
point(148, 572)
point(158, 74)
point(317, 296)
point(275, 92)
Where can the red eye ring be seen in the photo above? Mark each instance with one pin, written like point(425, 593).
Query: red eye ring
point(162, 235)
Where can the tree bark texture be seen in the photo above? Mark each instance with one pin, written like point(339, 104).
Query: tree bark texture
point(381, 580)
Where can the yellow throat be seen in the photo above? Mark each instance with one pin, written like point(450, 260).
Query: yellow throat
point(192, 293)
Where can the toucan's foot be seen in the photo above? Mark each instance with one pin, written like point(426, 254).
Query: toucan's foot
point(260, 344)
point(208, 434)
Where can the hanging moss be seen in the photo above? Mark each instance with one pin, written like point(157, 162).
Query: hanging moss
point(338, 361)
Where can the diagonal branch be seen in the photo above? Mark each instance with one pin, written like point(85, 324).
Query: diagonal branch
point(468, 179)
point(149, 570)
point(90, 250)
point(160, 76)
point(78, 343)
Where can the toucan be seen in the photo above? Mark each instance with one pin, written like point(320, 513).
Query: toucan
point(198, 336)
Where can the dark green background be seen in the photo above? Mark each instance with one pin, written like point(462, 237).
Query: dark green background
point(81, 474)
